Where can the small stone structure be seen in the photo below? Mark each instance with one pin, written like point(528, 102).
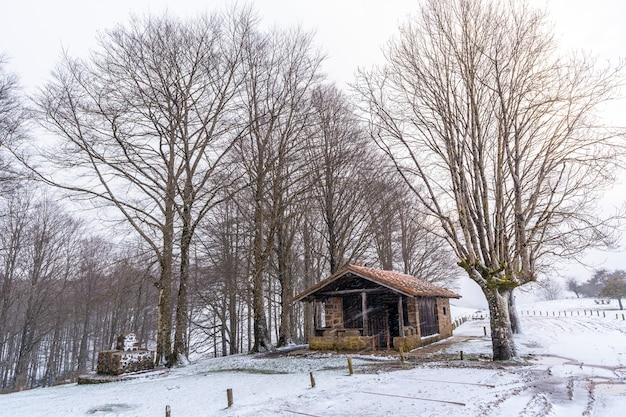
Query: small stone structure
point(127, 357)
point(372, 309)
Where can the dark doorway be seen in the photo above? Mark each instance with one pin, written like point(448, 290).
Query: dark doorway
point(382, 316)
point(352, 312)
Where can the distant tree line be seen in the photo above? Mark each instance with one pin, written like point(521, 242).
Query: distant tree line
point(603, 283)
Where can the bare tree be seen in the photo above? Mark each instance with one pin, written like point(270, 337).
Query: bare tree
point(343, 168)
point(497, 138)
point(573, 286)
point(12, 119)
point(282, 69)
point(45, 258)
point(144, 124)
point(550, 288)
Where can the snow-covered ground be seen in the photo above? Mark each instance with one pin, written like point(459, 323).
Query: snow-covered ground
point(571, 364)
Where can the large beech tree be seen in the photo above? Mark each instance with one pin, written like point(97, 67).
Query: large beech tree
point(498, 138)
point(143, 125)
point(282, 68)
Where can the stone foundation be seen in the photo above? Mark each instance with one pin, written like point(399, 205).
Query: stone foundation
point(409, 343)
point(348, 340)
point(116, 362)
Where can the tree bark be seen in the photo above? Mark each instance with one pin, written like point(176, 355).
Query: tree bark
point(516, 325)
point(502, 341)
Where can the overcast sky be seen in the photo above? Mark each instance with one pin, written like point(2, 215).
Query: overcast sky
point(351, 32)
point(33, 32)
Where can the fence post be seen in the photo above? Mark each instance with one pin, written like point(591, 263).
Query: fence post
point(229, 397)
point(312, 380)
point(350, 370)
point(168, 411)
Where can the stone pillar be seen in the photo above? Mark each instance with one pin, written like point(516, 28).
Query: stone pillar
point(418, 330)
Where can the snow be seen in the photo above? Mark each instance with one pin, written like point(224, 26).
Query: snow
point(570, 364)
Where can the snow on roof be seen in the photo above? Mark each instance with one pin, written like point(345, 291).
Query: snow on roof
point(403, 283)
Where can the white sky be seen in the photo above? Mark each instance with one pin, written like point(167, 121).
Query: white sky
point(351, 32)
point(32, 32)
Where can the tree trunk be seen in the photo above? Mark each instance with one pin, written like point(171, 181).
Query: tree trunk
point(164, 310)
point(261, 338)
point(180, 336)
point(285, 330)
point(164, 313)
point(284, 242)
point(502, 341)
point(516, 326)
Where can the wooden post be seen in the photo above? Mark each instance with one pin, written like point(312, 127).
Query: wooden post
point(461, 355)
point(485, 330)
point(364, 312)
point(168, 411)
point(229, 397)
point(402, 354)
point(400, 317)
point(312, 380)
point(350, 370)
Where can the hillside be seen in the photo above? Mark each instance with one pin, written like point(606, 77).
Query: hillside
point(572, 364)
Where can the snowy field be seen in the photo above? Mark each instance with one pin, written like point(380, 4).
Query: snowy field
point(571, 364)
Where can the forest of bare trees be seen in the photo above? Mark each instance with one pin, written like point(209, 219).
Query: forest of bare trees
point(189, 176)
point(195, 176)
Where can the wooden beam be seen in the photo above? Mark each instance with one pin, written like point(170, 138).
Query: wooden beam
point(357, 291)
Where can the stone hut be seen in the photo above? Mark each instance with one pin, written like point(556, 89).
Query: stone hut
point(361, 308)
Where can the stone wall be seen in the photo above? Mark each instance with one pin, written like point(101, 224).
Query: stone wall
point(444, 317)
point(117, 362)
point(127, 357)
point(414, 316)
point(334, 313)
point(349, 340)
point(409, 343)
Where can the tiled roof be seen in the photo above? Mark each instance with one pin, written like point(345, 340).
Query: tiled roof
point(396, 281)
